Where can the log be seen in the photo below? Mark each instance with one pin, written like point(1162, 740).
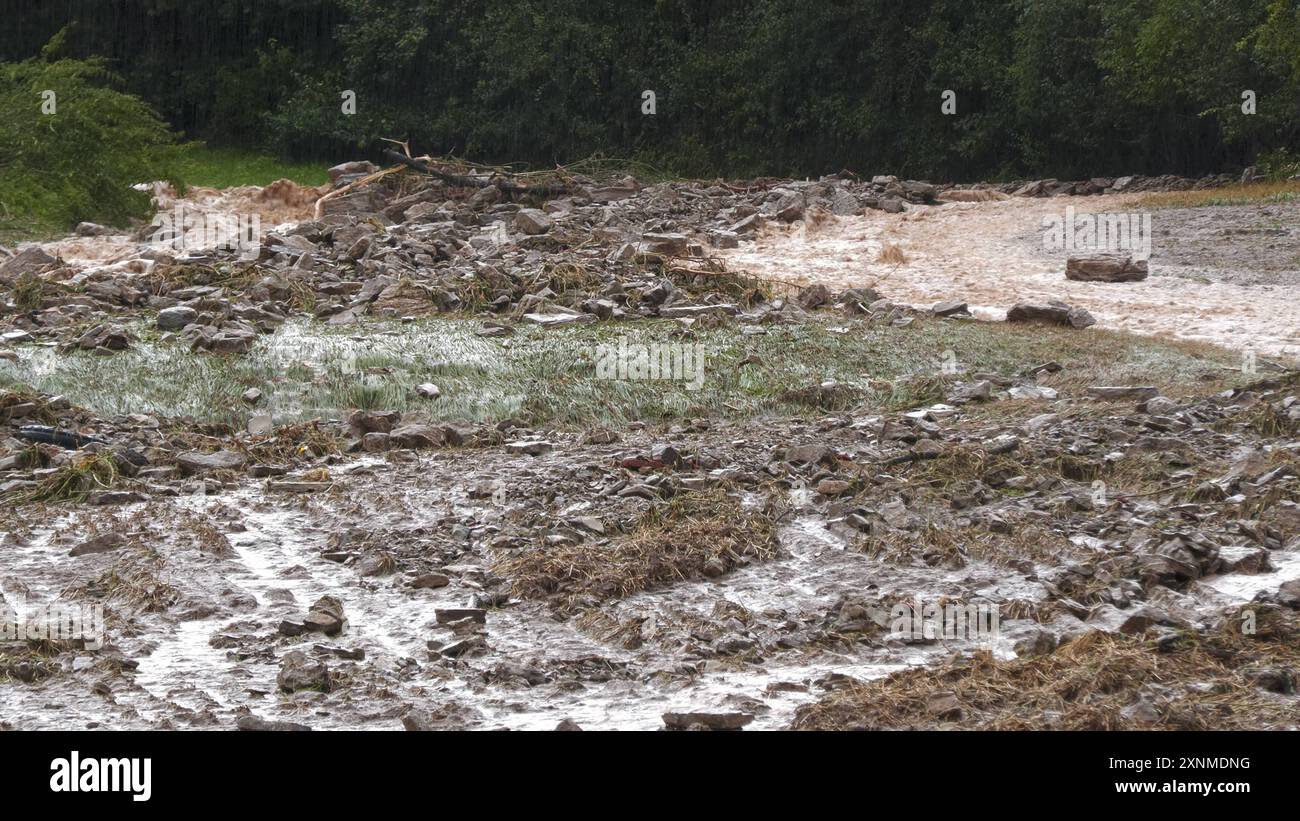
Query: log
point(508, 187)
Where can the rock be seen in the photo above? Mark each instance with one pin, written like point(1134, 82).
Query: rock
point(1053, 313)
point(568, 725)
point(428, 390)
point(979, 391)
point(943, 706)
point(260, 424)
point(1288, 594)
point(557, 319)
point(252, 396)
point(1160, 406)
point(810, 455)
point(533, 221)
point(252, 723)
point(430, 581)
point(356, 168)
point(363, 421)
point(530, 447)
point(300, 672)
point(708, 721)
point(447, 615)
point(102, 543)
point(470, 645)
point(93, 229)
point(1111, 619)
point(951, 308)
point(418, 436)
point(833, 487)
point(1273, 679)
point(325, 616)
point(1037, 642)
point(668, 245)
point(814, 296)
point(28, 261)
point(193, 462)
point(1244, 559)
point(114, 497)
point(1119, 392)
point(176, 317)
point(1105, 268)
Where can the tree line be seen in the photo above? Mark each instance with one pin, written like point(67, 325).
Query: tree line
point(1065, 88)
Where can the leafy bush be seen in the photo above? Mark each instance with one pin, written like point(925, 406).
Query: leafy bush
point(74, 155)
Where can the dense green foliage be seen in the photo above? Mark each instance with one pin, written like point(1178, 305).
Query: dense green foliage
point(71, 146)
point(1065, 88)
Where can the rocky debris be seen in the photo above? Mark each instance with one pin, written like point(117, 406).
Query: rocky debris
point(533, 221)
point(176, 317)
point(298, 671)
point(325, 616)
point(950, 308)
point(1120, 392)
point(104, 337)
point(1106, 268)
point(430, 581)
point(198, 463)
point(451, 615)
point(1051, 313)
point(707, 721)
point(92, 229)
point(257, 724)
point(529, 447)
point(30, 260)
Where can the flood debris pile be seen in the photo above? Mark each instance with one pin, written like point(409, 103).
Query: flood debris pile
point(424, 238)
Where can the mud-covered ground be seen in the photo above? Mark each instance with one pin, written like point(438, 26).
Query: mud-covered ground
point(286, 528)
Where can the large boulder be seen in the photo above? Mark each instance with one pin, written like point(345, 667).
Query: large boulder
point(1050, 313)
point(1106, 268)
point(28, 261)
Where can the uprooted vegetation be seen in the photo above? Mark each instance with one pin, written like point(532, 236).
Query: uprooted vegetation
point(1221, 680)
point(693, 536)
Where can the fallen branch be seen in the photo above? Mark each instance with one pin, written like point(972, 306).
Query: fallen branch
point(369, 178)
point(508, 187)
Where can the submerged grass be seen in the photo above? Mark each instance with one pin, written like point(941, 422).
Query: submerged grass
point(548, 376)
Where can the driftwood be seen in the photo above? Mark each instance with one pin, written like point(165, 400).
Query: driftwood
point(507, 186)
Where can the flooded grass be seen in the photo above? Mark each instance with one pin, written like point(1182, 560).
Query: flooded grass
point(548, 376)
point(1254, 193)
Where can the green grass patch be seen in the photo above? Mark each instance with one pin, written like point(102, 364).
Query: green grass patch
point(550, 376)
point(227, 167)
